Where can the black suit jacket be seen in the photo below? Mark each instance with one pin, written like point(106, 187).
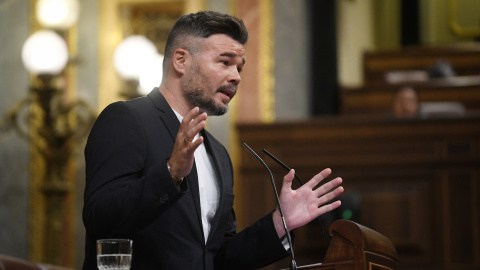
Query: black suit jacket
point(130, 194)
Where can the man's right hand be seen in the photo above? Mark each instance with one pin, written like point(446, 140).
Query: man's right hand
point(181, 160)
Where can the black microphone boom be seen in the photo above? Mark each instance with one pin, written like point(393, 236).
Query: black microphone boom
point(283, 165)
point(293, 264)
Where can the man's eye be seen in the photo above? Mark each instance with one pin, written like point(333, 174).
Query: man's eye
point(239, 70)
point(225, 63)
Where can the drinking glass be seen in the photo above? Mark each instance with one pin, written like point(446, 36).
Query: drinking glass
point(114, 254)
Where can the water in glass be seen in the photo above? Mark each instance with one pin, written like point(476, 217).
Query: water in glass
point(114, 261)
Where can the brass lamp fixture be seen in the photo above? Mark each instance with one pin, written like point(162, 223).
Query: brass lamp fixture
point(53, 123)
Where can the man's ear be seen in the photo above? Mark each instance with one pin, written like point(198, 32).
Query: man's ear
point(179, 60)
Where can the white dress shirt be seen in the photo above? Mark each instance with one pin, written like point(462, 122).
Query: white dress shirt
point(208, 187)
point(207, 184)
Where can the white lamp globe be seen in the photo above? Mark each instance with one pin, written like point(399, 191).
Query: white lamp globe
point(151, 75)
point(45, 52)
point(132, 55)
point(57, 14)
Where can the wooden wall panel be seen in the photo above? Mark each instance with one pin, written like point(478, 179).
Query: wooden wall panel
point(415, 181)
point(377, 98)
point(465, 60)
point(459, 206)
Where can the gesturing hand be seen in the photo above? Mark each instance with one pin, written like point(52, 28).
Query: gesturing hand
point(181, 160)
point(306, 203)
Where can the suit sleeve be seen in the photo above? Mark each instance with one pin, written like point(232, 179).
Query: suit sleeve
point(255, 247)
point(121, 195)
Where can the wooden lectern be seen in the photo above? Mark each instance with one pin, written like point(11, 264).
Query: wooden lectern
point(357, 247)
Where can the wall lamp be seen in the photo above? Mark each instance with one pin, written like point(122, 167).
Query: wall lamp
point(139, 64)
point(53, 123)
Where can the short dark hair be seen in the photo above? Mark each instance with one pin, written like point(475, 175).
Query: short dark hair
point(202, 25)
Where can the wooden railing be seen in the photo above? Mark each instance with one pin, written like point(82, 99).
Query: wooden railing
point(356, 247)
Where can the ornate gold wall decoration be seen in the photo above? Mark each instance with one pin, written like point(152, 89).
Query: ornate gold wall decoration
point(462, 31)
point(56, 123)
point(52, 120)
point(52, 211)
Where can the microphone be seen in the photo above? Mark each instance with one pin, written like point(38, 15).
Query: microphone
point(293, 264)
point(282, 164)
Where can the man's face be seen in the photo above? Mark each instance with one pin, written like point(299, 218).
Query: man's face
point(406, 103)
point(211, 81)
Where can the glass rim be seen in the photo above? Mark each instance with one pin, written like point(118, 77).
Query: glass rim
point(112, 240)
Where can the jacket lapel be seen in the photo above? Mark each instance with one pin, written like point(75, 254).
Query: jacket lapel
point(173, 125)
point(220, 177)
point(167, 115)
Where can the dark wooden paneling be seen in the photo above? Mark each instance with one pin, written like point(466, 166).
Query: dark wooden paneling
point(416, 181)
point(464, 59)
point(377, 97)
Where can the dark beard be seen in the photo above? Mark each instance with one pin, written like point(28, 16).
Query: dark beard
point(194, 92)
point(208, 105)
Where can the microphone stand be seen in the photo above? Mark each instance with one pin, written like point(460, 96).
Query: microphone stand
point(293, 264)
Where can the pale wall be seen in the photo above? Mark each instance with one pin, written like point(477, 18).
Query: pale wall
point(355, 35)
point(13, 149)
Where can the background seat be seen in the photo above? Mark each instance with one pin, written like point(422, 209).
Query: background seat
point(12, 263)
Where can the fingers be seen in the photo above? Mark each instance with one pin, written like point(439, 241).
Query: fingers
point(330, 196)
point(182, 157)
point(191, 125)
point(287, 179)
point(192, 146)
point(329, 207)
point(323, 189)
point(318, 178)
point(326, 192)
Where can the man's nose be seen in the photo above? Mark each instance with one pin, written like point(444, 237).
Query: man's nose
point(234, 76)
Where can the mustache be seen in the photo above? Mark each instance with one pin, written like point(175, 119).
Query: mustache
point(228, 87)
